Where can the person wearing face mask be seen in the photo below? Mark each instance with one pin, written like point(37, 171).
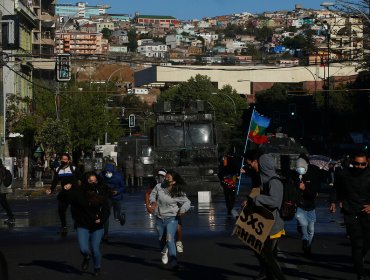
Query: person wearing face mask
point(168, 202)
point(307, 180)
point(353, 192)
point(69, 177)
point(159, 180)
point(116, 186)
point(90, 210)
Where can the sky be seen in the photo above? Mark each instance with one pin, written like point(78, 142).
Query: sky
point(197, 9)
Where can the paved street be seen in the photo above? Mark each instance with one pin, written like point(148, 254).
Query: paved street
point(34, 250)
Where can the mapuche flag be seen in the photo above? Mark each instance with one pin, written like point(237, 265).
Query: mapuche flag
point(258, 126)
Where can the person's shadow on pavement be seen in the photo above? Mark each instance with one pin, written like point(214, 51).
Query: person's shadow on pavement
point(54, 265)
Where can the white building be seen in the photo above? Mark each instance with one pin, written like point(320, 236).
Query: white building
point(155, 49)
point(101, 25)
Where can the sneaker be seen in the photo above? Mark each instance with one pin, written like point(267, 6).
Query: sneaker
point(10, 221)
point(96, 271)
point(122, 219)
point(179, 247)
point(165, 256)
point(85, 263)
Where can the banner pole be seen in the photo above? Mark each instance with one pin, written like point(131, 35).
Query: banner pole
point(245, 150)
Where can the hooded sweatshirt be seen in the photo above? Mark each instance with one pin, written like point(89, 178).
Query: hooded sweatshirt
point(115, 183)
point(272, 191)
point(167, 205)
point(311, 179)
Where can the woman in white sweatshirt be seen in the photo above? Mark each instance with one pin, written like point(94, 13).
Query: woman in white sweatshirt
point(168, 202)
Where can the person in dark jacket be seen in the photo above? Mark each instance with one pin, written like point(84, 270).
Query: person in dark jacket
point(116, 186)
point(228, 177)
point(68, 176)
point(353, 192)
point(307, 179)
point(3, 199)
point(271, 197)
point(90, 210)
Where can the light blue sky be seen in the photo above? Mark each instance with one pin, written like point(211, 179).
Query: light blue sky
point(191, 9)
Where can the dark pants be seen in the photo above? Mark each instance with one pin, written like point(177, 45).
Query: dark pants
point(62, 211)
point(4, 203)
point(358, 228)
point(118, 213)
point(229, 198)
point(268, 260)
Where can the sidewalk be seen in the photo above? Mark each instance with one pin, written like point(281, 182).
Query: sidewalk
point(35, 189)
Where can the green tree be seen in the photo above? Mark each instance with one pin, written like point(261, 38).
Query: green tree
point(54, 136)
point(106, 33)
point(132, 40)
point(88, 116)
point(221, 102)
point(264, 34)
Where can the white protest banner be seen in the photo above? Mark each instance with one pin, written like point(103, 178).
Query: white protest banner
point(253, 226)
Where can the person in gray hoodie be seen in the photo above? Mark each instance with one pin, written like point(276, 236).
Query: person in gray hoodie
point(167, 202)
point(271, 197)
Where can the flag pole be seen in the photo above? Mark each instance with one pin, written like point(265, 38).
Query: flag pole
point(245, 150)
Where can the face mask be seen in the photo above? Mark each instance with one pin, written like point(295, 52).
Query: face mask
point(301, 170)
point(165, 184)
point(160, 179)
point(93, 186)
point(108, 174)
point(63, 163)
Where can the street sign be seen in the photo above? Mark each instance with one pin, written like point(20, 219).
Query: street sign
point(131, 120)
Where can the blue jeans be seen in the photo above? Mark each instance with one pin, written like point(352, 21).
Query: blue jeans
point(306, 221)
point(168, 225)
point(83, 237)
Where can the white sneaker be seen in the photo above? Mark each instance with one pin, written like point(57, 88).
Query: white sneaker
point(165, 256)
point(179, 247)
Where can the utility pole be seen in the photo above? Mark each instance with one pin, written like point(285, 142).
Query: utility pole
point(2, 97)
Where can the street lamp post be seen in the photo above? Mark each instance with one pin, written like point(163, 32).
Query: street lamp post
point(327, 5)
point(229, 97)
point(346, 5)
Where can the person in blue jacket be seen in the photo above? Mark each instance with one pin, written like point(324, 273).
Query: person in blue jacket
point(116, 186)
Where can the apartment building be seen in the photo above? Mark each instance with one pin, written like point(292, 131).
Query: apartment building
point(79, 43)
point(154, 49)
point(80, 10)
point(156, 20)
point(44, 33)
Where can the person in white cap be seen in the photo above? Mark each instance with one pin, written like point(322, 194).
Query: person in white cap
point(308, 184)
point(168, 202)
point(159, 180)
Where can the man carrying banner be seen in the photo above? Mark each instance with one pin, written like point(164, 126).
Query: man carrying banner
point(271, 198)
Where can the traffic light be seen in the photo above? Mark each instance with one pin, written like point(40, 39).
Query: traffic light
point(131, 120)
point(292, 110)
point(63, 67)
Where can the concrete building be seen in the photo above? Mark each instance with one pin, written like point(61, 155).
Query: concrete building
point(155, 49)
point(101, 25)
point(18, 21)
point(80, 10)
point(79, 43)
point(43, 43)
point(156, 20)
point(246, 80)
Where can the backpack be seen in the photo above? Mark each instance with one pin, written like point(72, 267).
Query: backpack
point(288, 206)
point(7, 177)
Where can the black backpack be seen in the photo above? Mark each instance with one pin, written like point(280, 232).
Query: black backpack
point(7, 177)
point(288, 206)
